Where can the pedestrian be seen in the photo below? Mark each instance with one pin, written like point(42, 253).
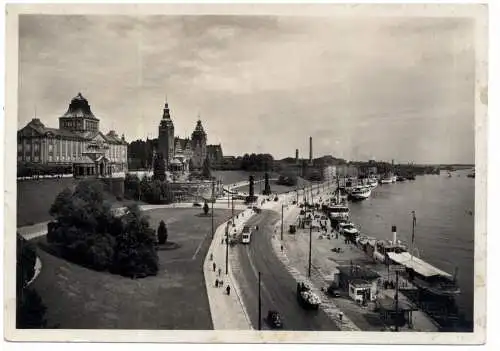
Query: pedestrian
point(222, 241)
point(214, 266)
point(216, 283)
point(211, 257)
point(220, 270)
point(228, 289)
point(281, 248)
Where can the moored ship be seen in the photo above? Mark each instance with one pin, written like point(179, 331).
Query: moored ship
point(361, 192)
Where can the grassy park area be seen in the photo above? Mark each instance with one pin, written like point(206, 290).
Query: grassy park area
point(175, 298)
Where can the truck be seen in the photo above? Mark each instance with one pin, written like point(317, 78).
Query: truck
point(306, 297)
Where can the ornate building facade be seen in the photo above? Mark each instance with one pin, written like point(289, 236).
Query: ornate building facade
point(181, 153)
point(77, 142)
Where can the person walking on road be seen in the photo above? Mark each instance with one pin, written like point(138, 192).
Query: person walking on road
point(214, 266)
point(220, 270)
point(228, 289)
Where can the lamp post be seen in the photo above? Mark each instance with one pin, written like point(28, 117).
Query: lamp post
point(260, 306)
point(227, 247)
point(213, 200)
point(282, 208)
point(310, 249)
point(232, 206)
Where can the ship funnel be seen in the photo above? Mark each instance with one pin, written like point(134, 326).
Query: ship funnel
point(394, 234)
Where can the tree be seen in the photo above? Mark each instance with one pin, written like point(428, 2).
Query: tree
point(206, 173)
point(135, 252)
point(162, 233)
point(159, 167)
point(30, 310)
point(267, 186)
point(205, 208)
point(86, 232)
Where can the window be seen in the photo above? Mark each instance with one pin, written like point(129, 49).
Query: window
point(19, 158)
point(28, 158)
point(36, 159)
point(19, 148)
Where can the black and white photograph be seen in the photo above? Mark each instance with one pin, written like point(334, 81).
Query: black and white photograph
point(246, 173)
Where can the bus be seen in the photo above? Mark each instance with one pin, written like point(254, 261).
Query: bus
point(246, 235)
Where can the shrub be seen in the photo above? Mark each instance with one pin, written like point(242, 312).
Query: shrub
point(162, 233)
point(26, 259)
point(30, 310)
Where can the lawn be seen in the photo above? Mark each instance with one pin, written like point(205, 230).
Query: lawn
point(79, 298)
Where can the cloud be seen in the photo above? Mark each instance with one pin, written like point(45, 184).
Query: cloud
point(387, 87)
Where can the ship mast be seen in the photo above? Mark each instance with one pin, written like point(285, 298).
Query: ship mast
point(414, 222)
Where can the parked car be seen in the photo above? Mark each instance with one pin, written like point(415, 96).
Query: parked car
point(196, 204)
point(276, 198)
point(274, 319)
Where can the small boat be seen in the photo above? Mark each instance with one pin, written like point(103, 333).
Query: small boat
point(400, 179)
point(348, 229)
point(410, 177)
point(386, 180)
point(394, 179)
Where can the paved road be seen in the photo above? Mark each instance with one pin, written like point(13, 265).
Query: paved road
point(278, 289)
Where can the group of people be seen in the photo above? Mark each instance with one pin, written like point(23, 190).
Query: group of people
point(219, 283)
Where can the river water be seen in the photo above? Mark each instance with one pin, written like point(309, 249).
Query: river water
point(444, 233)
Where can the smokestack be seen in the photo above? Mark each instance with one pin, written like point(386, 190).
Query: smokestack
point(310, 149)
point(394, 234)
point(297, 156)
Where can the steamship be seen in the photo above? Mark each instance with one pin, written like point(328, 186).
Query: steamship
point(420, 273)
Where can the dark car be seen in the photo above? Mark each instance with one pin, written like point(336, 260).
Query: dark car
point(196, 204)
point(276, 198)
point(274, 320)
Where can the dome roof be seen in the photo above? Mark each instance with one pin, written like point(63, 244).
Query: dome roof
point(79, 107)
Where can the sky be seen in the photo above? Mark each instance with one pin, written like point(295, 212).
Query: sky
point(364, 88)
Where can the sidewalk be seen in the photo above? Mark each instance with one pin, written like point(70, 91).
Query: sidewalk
point(228, 312)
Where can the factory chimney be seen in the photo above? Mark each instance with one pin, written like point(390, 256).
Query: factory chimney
point(310, 150)
point(297, 156)
point(394, 234)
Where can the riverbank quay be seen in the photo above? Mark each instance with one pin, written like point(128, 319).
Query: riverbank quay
point(226, 306)
point(293, 251)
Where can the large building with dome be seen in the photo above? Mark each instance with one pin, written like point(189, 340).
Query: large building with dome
point(77, 142)
point(181, 154)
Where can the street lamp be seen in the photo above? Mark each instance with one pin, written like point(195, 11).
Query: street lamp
point(260, 306)
point(213, 200)
point(282, 208)
point(310, 249)
point(232, 206)
point(227, 246)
